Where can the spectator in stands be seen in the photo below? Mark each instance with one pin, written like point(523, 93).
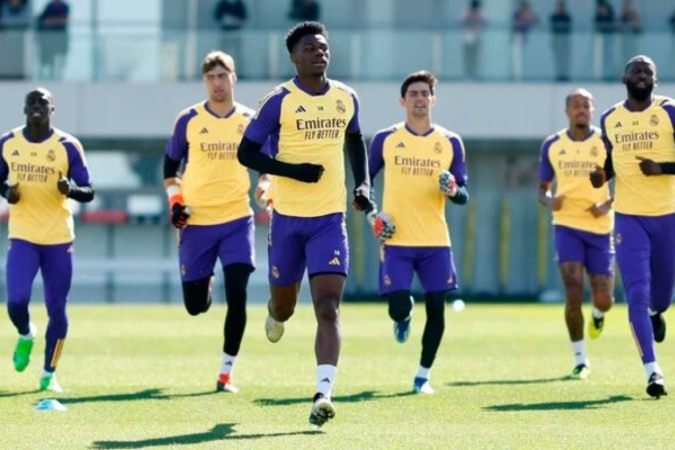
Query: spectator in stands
point(631, 28)
point(231, 15)
point(561, 27)
point(605, 27)
point(53, 38)
point(472, 21)
point(524, 19)
point(14, 20)
point(304, 10)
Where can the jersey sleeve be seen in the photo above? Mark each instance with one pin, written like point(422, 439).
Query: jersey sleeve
point(4, 170)
point(603, 128)
point(376, 153)
point(669, 107)
point(546, 172)
point(77, 163)
point(458, 166)
point(266, 120)
point(178, 146)
point(354, 125)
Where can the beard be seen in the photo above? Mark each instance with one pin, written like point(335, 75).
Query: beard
point(639, 93)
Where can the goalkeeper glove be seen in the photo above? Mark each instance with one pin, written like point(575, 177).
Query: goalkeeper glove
point(447, 183)
point(382, 225)
point(180, 213)
point(363, 200)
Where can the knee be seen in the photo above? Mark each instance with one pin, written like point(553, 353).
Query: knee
point(435, 307)
point(400, 305)
point(281, 311)
point(327, 311)
point(196, 295)
point(58, 316)
point(603, 301)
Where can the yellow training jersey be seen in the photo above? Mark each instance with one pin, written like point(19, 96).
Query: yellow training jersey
point(308, 127)
point(648, 134)
point(42, 215)
point(411, 194)
point(570, 162)
point(214, 184)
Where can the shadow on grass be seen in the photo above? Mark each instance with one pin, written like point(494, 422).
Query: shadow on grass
point(16, 394)
point(147, 394)
point(354, 398)
point(223, 432)
point(507, 382)
point(550, 406)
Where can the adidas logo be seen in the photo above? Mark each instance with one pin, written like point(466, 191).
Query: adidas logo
point(334, 262)
point(301, 109)
point(562, 152)
point(15, 153)
point(204, 131)
point(618, 125)
point(400, 145)
point(325, 380)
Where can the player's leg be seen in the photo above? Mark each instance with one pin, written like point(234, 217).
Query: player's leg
point(438, 276)
point(600, 269)
point(327, 265)
point(236, 254)
point(571, 255)
point(286, 257)
point(23, 262)
point(57, 272)
point(396, 273)
point(662, 267)
point(633, 254)
point(197, 252)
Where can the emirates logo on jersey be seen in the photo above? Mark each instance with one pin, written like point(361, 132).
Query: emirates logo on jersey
point(653, 120)
point(340, 106)
point(51, 155)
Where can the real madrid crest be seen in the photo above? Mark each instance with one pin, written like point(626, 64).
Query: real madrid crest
point(51, 155)
point(654, 120)
point(594, 151)
point(340, 106)
point(240, 129)
point(438, 148)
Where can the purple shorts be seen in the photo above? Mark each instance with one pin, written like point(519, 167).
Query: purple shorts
point(594, 251)
point(201, 245)
point(435, 268)
point(317, 243)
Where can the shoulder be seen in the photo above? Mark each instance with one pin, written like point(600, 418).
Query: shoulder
point(612, 109)
point(340, 86)
point(68, 139)
point(188, 113)
point(244, 110)
point(553, 138)
point(384, 132)
point(448, 134)
point(4, 137)
point(276, 94)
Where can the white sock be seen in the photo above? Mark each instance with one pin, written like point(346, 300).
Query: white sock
point(325, 377)
point(652, 367)
point(597, 313)
point(32, 330)
point(423, 372)
point(46, 374)
point(579, 350)
point(228, 363)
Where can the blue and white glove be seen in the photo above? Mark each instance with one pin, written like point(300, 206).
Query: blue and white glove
point(383, 226)
point(447, 183)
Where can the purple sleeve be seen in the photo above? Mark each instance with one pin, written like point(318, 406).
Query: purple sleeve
point(178, 146)
point(546, 172)
point(4, 170)
point(266, 120)
point(77, 169)
point(670, 109)
point(375, 153)
point(458, 166)
point(354, 125)
point(603, 127)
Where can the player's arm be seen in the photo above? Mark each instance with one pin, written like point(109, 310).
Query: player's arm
point(358, 160)
point(452, 182)
point(175, 153)
point(76, 184)
point(600, 175)
point(9, 192)
point(546, 176)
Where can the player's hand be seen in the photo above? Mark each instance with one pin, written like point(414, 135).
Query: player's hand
point(649, 167)
point(383, 227)
point(262, 191)
point(600, 209)
point(598, 177)
point(179, 215)
point(447, 183)
point(308, 172)
point(63, 184)
point(362, 200)
point(13, 194)
point(557, 202)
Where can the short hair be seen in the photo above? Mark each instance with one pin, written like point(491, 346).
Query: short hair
point(217, 58)
point(423, 76)
point(301, 30)
point(579, 91)
point(639, 58)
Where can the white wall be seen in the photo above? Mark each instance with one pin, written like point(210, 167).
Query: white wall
point(492, 110)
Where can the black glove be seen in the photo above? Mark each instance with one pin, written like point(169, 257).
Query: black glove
point(12, 194)
point(362, 200)
point(598, 177)
point(63, 185)
point(179, 215)
point(307, 172)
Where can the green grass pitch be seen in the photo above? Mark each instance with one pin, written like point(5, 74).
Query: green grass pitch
point(144, 377)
